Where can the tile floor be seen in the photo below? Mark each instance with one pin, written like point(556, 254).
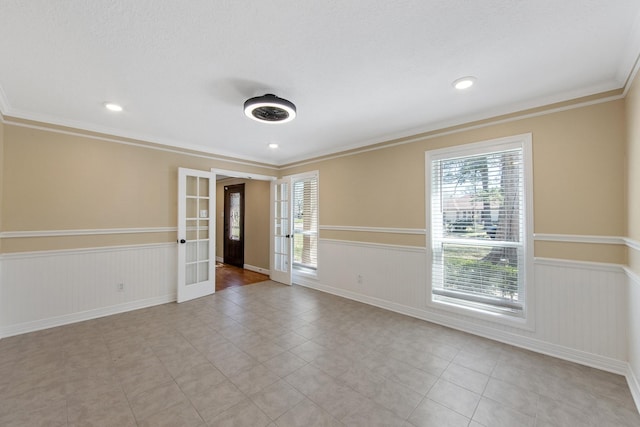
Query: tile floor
point(272, 355)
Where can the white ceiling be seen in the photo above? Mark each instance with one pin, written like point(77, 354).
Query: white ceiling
point(359, 71)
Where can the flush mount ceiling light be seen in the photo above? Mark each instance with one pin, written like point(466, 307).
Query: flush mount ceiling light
point(112, 107)
point(269, 109)
point(464, 82)
point(273, 145)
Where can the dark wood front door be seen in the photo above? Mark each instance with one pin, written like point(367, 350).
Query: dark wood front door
point(234, 225)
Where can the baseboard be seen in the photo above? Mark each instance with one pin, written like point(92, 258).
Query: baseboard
point(257, 269)
point(37, 325)
point(584, 358)
point(634, 386)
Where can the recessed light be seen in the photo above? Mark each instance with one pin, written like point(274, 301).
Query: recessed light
point(273, 145)
point(112, 107)
point(464, 82)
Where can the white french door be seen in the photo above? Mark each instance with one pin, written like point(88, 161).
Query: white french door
point(196, 234)
point(281, 231)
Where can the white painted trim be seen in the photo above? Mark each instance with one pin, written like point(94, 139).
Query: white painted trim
point(392, 230)
point(634, 386)
point(244, 175)
point(257, 269)
point(419, 249)
point(591, 265)
point(85, 232)
point(37, 325)
point(577, 238)
point(77, 251)
point(632, 244)
point(249, 267)
point(632, 275)
point(565, 353)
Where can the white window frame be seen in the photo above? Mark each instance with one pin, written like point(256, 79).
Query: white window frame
point(524, 141)
point(293, 179)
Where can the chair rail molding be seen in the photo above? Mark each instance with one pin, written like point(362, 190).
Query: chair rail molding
point(84, 232)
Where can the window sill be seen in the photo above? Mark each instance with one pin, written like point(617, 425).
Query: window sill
point(520, 322)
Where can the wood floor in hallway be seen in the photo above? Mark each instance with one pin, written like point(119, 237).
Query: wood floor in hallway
point(229, 276)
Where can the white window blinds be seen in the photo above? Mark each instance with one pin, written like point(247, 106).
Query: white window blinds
point(478, 228)
point(305, 222)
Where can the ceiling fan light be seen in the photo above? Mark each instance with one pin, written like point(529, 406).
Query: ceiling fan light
point(269, 109)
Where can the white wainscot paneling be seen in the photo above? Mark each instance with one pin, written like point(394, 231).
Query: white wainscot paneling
point(380, 272)
point(44, 289)
point(633, 376)
point(580, 308)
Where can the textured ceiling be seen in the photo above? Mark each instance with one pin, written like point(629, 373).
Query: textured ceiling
point(360, 72)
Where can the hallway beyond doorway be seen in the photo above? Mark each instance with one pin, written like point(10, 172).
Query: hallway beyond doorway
point(229, 276)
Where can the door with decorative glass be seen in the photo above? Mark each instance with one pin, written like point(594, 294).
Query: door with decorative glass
point(196, 234)
point(281, 231)
point(234, 225)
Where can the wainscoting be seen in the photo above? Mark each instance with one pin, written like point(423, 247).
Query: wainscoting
point(633, 375)
point(585, 312)
point(44, 289)
point(580, 308)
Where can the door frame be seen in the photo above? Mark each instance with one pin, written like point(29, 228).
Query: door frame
point(233, 174)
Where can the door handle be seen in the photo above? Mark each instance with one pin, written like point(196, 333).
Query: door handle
point(288, 236)
point(182, 241)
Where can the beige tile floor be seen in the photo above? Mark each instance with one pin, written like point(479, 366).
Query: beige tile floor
point(273, 355)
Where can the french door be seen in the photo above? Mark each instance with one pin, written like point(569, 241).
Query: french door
point(196, 234)
point(281, 231)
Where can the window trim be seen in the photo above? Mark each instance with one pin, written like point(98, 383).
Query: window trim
point(527, 319)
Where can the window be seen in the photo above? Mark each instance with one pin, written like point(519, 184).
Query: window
point(234, 216)
point(305, 222)
point(480, 219)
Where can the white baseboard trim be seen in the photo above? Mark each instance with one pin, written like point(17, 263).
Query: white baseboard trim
point(249, 267)
point(257, 269)
point(37, 325)
point(634, 386)
point(584, 358)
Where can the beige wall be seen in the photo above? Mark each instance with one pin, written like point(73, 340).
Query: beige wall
point(579, 181)
point(58, 181)
point(256, 220)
